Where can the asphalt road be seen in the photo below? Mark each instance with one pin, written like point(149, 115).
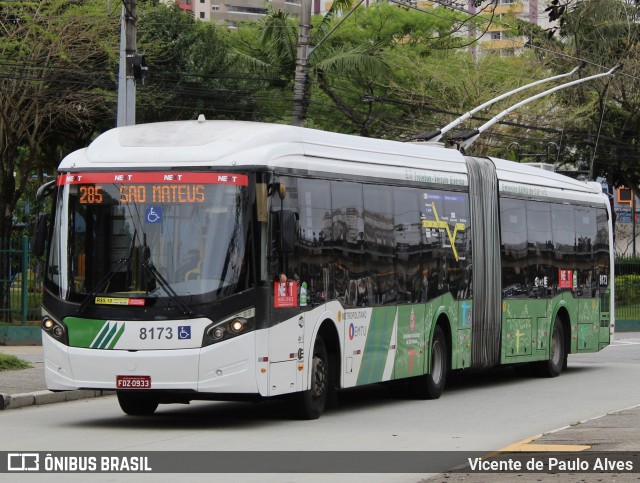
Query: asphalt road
point(482, 413)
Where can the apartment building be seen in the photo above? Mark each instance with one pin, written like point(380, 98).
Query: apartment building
point(232, 12)
point(496, 39)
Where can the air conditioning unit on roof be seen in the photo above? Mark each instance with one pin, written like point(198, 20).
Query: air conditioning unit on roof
point(545, 166)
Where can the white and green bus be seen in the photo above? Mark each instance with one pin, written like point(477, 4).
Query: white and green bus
point(206, 260)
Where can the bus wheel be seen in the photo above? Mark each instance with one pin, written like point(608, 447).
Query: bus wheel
point(558, 355)
point(310, 404)
point(431, 386)
point(135, 404)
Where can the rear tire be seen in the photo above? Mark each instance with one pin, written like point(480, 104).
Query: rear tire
point(557, 353)
point(431, 386)
point(136, 404)
point(310, 404)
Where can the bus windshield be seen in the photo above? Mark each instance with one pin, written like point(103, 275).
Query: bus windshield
point(149, 235)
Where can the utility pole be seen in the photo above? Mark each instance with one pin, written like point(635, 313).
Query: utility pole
point(301, 80)
point(126, 79)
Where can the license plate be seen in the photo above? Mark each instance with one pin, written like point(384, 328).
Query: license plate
point(133, 382)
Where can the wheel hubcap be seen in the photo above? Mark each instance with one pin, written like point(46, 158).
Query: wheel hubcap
point(437, 361)
point(319, 382)
point(555, 347)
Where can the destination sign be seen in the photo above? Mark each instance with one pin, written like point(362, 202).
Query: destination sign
point(148, 187)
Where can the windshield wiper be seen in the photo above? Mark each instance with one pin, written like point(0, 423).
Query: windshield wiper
point(102, 283)
point(166, 286)
point(109, 275)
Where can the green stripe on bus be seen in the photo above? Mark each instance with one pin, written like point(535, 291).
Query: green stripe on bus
point(103, 333)
point(117, 337)
point(376, 348)
point(82, 332)
point(109, 336)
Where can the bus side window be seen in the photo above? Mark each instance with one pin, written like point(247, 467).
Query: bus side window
point(409, 274)
point(513, 231)
point(379, 243)
point(314, 240)
point(347, 225)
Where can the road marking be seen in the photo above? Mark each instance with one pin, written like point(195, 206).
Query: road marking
point(527, 446)
point(625, 342)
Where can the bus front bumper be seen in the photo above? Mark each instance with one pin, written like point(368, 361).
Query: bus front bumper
point(223, 368)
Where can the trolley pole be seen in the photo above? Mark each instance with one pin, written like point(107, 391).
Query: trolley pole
point(464, 140)
point(435, 136)
point(126, 80)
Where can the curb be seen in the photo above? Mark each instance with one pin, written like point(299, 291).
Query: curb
point(14, 401)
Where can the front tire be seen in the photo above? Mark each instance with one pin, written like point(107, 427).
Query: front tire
point(310, 404)
point(431, 386)
point(136, 404)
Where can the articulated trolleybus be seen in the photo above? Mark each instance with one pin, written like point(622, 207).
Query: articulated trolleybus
point(234, 260)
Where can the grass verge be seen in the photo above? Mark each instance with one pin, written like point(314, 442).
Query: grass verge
point(10, 363)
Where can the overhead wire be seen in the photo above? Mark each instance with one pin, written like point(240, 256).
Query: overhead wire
point(268, 96)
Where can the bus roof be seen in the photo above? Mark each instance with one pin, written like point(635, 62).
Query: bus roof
point(224, 144)
point(211, 143)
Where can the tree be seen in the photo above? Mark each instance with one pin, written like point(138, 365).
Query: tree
point(435, 76)
point(190, 70)
point(273, 53)
point(55, 76)
point(605, 32)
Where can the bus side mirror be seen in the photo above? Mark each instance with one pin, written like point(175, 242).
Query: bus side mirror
point(40, 235)
point(287, 221)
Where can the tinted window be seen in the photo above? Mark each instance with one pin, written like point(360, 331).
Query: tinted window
point(379, 242)
point(447, 242)
point(513, 233)
point(602, 250)
point(315, 239)
point(352, 282)
point(409, 283)
point(541, 272)
point(586, 228)
point(563, 225)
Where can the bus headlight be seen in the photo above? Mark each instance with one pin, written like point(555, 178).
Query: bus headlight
point(55, 329)
point(237, 324)
point(227, 329)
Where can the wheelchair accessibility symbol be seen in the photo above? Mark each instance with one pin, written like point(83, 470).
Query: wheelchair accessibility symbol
point(153, 214)
point(184, 332)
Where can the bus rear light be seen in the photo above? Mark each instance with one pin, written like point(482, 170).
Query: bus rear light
point(263, 359)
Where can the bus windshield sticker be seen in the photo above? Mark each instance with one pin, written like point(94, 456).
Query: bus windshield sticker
point(153, 214)
point(565, 278)
point(285, 294)
point(119, 301)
